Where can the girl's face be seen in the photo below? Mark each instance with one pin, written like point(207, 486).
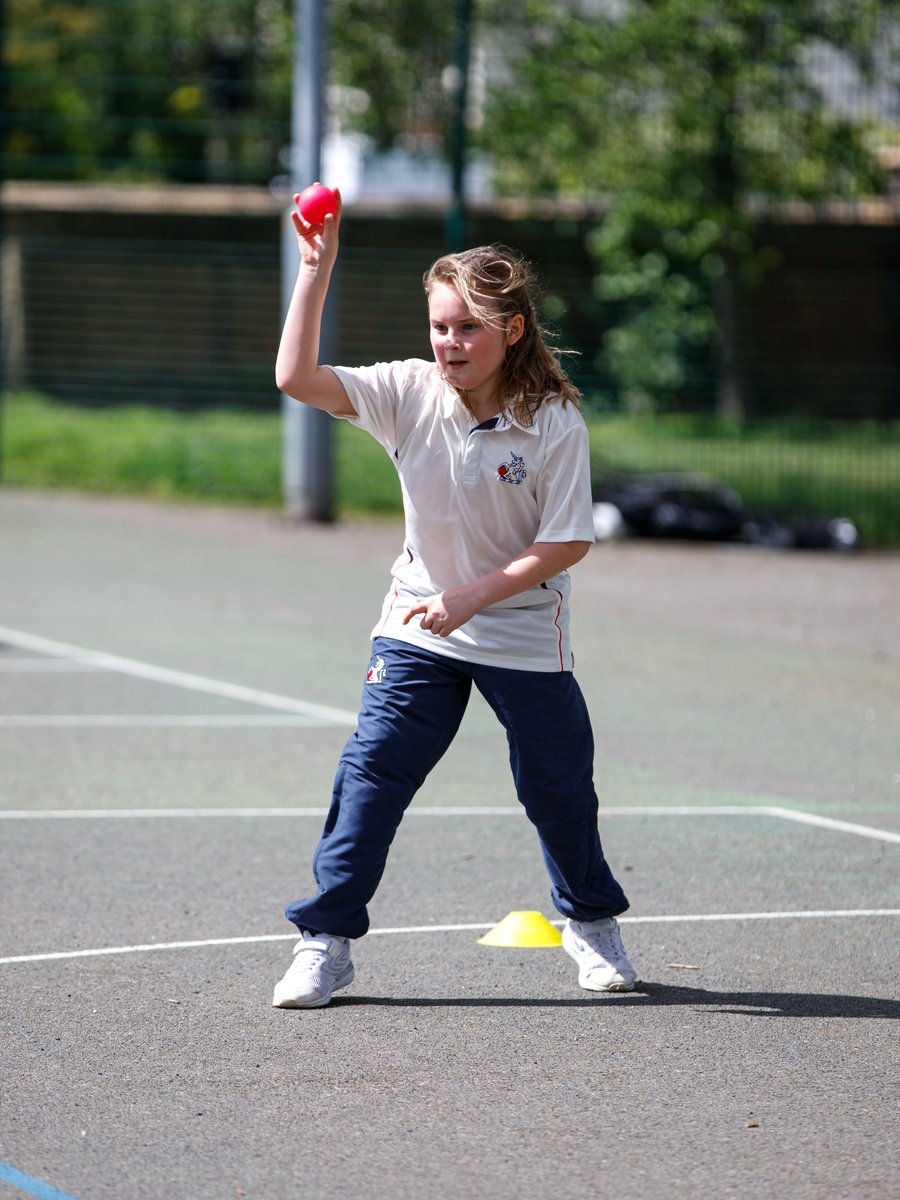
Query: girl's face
point(469, 353)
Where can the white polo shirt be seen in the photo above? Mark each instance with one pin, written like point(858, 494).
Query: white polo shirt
point(475, 498)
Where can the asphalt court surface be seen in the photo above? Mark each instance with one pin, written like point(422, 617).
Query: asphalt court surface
point(175, 687)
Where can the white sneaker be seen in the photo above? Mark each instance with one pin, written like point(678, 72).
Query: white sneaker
point(321, 965)
point(597, 948)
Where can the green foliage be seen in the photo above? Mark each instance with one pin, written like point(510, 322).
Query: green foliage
point(690, 119)
point(200, 90)
point(211, 455)
point(183, 90)
point(221, 456)
point(393, 56)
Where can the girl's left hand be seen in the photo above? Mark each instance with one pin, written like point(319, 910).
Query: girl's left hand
point(441, 613)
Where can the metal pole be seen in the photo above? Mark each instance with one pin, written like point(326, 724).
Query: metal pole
point(456, 217)
point(307, 444)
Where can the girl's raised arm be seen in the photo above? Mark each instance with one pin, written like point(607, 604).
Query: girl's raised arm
point(297, 369)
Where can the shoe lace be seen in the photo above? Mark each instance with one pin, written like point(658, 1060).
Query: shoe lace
point(605, 942)
point(308, 955)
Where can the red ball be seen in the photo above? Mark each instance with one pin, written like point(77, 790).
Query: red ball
point(316, 202)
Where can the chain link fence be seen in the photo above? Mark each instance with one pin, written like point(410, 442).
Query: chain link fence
point(168, 300)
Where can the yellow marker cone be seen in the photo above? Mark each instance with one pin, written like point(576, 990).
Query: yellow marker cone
point(526, 929)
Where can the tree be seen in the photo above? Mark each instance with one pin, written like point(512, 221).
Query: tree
point(395, 55)
point(184, 90)
point(691, 118)
point(200, 90)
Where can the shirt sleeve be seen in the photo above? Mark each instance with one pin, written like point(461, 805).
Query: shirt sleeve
point(374, 392)
point(564, 487)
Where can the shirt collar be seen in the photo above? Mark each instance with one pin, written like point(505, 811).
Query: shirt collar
point(453, 405)
point(507, 421)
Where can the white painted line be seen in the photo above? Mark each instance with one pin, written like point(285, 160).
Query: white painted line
point(509, 810)
point(688, 810)
point(157, 721)
point(40, 666)
point(127, 814)
point(98, 660)
point(805, 818)
point(805, 914)
point(182, 679)
point(149, 947)
point(145, 948)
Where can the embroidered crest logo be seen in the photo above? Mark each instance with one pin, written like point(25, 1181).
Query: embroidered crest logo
point(377, 671)
point(512, 471)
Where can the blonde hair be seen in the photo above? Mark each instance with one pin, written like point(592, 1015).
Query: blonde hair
point(496, 283)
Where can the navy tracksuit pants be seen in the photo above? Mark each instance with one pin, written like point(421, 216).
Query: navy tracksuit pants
point(413, 703)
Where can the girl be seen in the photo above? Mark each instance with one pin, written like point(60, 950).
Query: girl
point(492, 455)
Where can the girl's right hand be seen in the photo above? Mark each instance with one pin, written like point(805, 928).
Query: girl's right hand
point(318, 243)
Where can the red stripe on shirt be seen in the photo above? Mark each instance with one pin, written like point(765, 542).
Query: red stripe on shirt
point(559, 631)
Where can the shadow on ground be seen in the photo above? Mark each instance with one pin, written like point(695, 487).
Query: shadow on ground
point(661, 995)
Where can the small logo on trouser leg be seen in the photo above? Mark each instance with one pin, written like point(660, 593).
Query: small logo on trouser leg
point(377, 671)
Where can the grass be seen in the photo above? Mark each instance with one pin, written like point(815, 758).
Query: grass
point(211, 455)
point(234, 457)
point(228, 457)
